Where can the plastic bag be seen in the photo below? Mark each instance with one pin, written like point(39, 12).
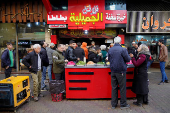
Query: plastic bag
point(57, 86)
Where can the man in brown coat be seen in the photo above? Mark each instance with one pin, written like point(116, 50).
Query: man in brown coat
point(163, 57)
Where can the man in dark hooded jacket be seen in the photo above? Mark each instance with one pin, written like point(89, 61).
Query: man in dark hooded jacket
point(79, 52)
point(94, 55)
point(69, 52)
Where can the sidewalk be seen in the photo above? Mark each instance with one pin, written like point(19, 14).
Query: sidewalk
point(158, 97)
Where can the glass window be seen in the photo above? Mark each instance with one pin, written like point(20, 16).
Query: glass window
point(29, 34)
point(115, 5)
point(151, 42)
point(7, 34)
point(59, 4)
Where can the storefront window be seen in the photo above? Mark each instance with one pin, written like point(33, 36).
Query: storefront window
point(7, 34)
point(151, 42)
point(115, 4)
point(29, 34)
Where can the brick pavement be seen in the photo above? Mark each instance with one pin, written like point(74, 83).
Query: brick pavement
point(159, 97)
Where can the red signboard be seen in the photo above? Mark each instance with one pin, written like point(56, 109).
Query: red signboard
point(116, 16)
point(87, 14)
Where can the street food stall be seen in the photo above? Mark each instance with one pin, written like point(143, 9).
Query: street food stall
point(91, 82)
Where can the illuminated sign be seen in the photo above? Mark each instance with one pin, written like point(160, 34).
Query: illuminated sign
point(154, 24)
point(87, 15)
point(148, 22)
point(57, 17)
point(57, 26)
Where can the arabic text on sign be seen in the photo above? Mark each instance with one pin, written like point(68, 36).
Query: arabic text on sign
point(83, 19)
point(154, 24)
point(114, 18)
point(57, 26)
point(58, 18)
point(142, 39)
point(88, 8)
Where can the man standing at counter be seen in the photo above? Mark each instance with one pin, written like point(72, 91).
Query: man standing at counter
point(69, 52)
point(58, 62)
point(118, 56)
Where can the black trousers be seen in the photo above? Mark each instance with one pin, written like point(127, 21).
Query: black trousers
point(60, 76)
point(118, 78)
point(142, 98)
point(8, 72)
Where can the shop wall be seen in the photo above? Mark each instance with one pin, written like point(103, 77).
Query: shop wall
point(22, 11)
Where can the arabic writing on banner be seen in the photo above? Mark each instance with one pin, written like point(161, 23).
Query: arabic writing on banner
point(155, 24)
point(107, 33)
point(116, 16)
point(86, 14)
point(57, 26)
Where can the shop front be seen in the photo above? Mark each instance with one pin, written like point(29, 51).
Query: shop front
point(86, 21)
point(149, 27)
point(23, 24)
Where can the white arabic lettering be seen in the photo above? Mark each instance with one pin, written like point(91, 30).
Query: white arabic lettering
point(88, 8)
point(114, 18)
point(53, 18)
point(57, 26)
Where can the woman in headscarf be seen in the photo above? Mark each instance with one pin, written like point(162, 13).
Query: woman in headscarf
point(140, 83)
point(104, 52)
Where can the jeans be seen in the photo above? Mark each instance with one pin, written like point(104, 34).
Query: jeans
point(8, 72)
point(149, 63)
point(43, 76)
point(118, 78)
point(50, 72)
point(162, 68)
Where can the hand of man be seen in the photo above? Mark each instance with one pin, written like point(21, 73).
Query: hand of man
point(78, 58)
point(131, 55)
point(66, 60)
point(7, 67)
point(30, 67)
point(100, 54)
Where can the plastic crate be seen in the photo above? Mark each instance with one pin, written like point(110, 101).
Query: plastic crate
point(57, 97)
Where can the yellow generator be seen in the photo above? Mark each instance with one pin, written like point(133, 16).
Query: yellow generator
point(14, 91)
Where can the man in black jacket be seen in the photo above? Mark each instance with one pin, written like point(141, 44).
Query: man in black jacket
point(45, 62)
point(8, 59)
point(69, 52)
point(79, 52)
point(33, 61)
point(135, 47)
point(94, 55)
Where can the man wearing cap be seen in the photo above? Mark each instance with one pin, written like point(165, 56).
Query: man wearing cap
point(8, 59)
point(50, 51)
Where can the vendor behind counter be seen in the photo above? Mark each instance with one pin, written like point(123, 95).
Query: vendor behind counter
point(95, 55)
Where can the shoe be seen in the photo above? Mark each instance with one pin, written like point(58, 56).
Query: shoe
point(35, 99)
point(125, 106)
point(41, 95)
point(161, 83)
point(137, 104)
point(114, 107)
point(147, 103)
point(166, 81)
point(44, 88)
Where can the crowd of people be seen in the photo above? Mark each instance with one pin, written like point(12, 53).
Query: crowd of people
point(41, 58)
